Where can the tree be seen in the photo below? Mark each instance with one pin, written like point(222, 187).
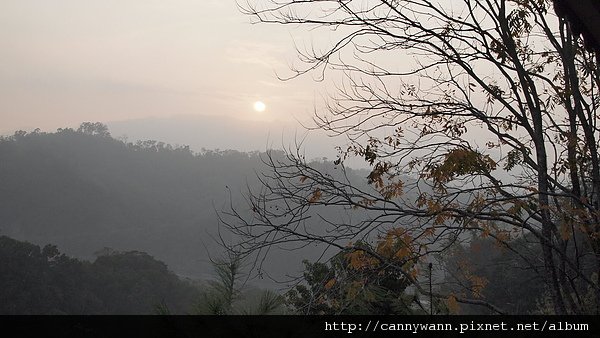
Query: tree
point(354, 283)
point(36, 280)
point(485, 270)
point(94, 128)
point(474, 117)
point(226, 295)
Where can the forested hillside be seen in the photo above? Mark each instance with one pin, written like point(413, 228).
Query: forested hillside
point(45, 281)
point(84, 190)
point(109, 202)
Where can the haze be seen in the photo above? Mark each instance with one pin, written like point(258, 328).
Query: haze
point(67, 61)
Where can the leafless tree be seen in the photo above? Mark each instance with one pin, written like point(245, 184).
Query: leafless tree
point(474, 117)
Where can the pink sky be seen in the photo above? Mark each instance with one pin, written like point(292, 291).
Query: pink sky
point(68, 61)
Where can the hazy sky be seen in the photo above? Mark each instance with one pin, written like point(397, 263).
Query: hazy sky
point(67, 61)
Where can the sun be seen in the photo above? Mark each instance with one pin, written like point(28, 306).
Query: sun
point(260, 106)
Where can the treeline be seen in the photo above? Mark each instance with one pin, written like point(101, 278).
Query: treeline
point(36, 280)
point(83, 190)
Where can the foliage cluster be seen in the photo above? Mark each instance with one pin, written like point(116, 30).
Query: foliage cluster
point(36, 280)
point(492, 114)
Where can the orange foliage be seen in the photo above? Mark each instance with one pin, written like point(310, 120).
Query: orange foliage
point(315, 196)
point(453, 306)
point(330, 284)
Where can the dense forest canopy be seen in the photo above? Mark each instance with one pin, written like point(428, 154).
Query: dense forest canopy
point(84, 190)
point(38, 280)
point(99, 198)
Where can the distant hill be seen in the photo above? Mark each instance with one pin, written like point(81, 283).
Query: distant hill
point(84, 190)
point(221, 132)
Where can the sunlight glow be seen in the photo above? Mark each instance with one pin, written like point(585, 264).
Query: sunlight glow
point(260, 106)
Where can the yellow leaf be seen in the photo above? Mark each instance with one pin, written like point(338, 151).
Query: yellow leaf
point(429, 232)
point(385, 247)
point(315, 196)
point(356, 259)
point(359, 260)
point(330, 284)
point(453, 306)
point(477, 285)
point(402, 253)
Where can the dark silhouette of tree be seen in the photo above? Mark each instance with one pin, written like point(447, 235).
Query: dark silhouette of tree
point(94, 128)
point(582, 15)
point(489, 271)
point(228, 294)
point(45, 281)
point(353, 283)
point(474, 116)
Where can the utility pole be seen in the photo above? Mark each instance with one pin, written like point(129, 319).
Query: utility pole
point(430, 289)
